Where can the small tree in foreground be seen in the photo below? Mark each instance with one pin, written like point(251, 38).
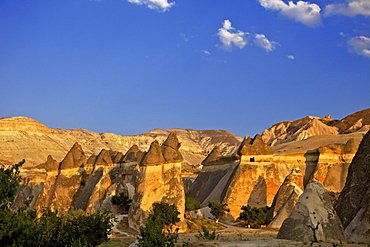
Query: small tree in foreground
point(253, 215)
point(163, 216)
point(218, 209)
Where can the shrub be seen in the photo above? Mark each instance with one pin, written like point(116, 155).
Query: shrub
point(25, 228)
point(207, 235)
point(253, 215)
point(191, 204)
point(122, 201)
point(163, 216)
point(218, 209)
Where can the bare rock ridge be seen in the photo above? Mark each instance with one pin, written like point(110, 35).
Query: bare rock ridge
point(353, 204)
point(301, 129)
point(25, 138)
point(313, 218)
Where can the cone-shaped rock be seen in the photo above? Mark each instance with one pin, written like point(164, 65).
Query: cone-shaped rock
point(51, 164)
point(154, 155)
point(285, 199)
point(213, 156)
point(313, 217)
point(117, 157)
point(91, 159)
point(255, 146)
point(350, 146)
point(74, 158)
point(353, 204)
point(104, 158)
point(132, 155)
point(170, 149)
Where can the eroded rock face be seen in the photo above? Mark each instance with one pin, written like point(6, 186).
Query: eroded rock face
point(255, 146)
point(353, 203)
point(285, 199)
point(333, 163)
point(213, 156)
point(170, 149)
point(157, 181)
point(313, 218)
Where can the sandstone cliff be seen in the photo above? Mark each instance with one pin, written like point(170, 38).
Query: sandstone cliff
point(158, 180)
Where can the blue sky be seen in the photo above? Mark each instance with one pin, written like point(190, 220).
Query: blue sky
point(129, 66)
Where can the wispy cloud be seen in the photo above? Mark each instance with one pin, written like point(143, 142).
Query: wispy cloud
point(360, 45)
point(206, 52)
point(230, 37)
point(291, 57)
point(161, 5)
point(351, 8)
point(261, 41)
point(304, 12)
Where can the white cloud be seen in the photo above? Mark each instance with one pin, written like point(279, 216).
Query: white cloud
point(230, 37)
point(307, 13)
point(360, 45)
point(162, 5)
point(206, 52)
point(291, 57)
point(351, 8)
point(261, 41)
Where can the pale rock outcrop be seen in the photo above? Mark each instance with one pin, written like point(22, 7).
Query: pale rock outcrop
point(157, 181)
point(212, 157)
point(285, 199)
point(353, 204)
point(313, 218)
point(332, 165)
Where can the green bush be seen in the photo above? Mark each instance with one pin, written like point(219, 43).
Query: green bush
point(163, 216)
point(25, 228)
point(191, 204)
point(218, 209)
point(253, 215)
point(122, 201)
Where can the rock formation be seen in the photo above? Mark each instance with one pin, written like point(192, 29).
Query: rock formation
point(159, 180)
point(313, 218)
point(285, 199)
point(213, 156)
point(24, 138)
point(301, 129)
point(353, 206)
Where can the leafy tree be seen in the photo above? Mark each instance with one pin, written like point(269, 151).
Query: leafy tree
point(164, 216)
point(253, 215)
point(25, 228)
point(218, 209)
point(122, 201)
point(191, 204)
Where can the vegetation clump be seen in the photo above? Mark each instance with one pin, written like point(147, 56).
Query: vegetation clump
point(25, 228)
point(191, 204)
point(163, 218)
point(253, 216)
point(218, 209)
point(122, 201)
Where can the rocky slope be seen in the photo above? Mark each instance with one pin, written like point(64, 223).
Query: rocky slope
point(303, 128)
point(25, 138)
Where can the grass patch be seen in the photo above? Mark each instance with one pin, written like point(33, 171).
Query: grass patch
point(118, 242)
point(195, 225)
